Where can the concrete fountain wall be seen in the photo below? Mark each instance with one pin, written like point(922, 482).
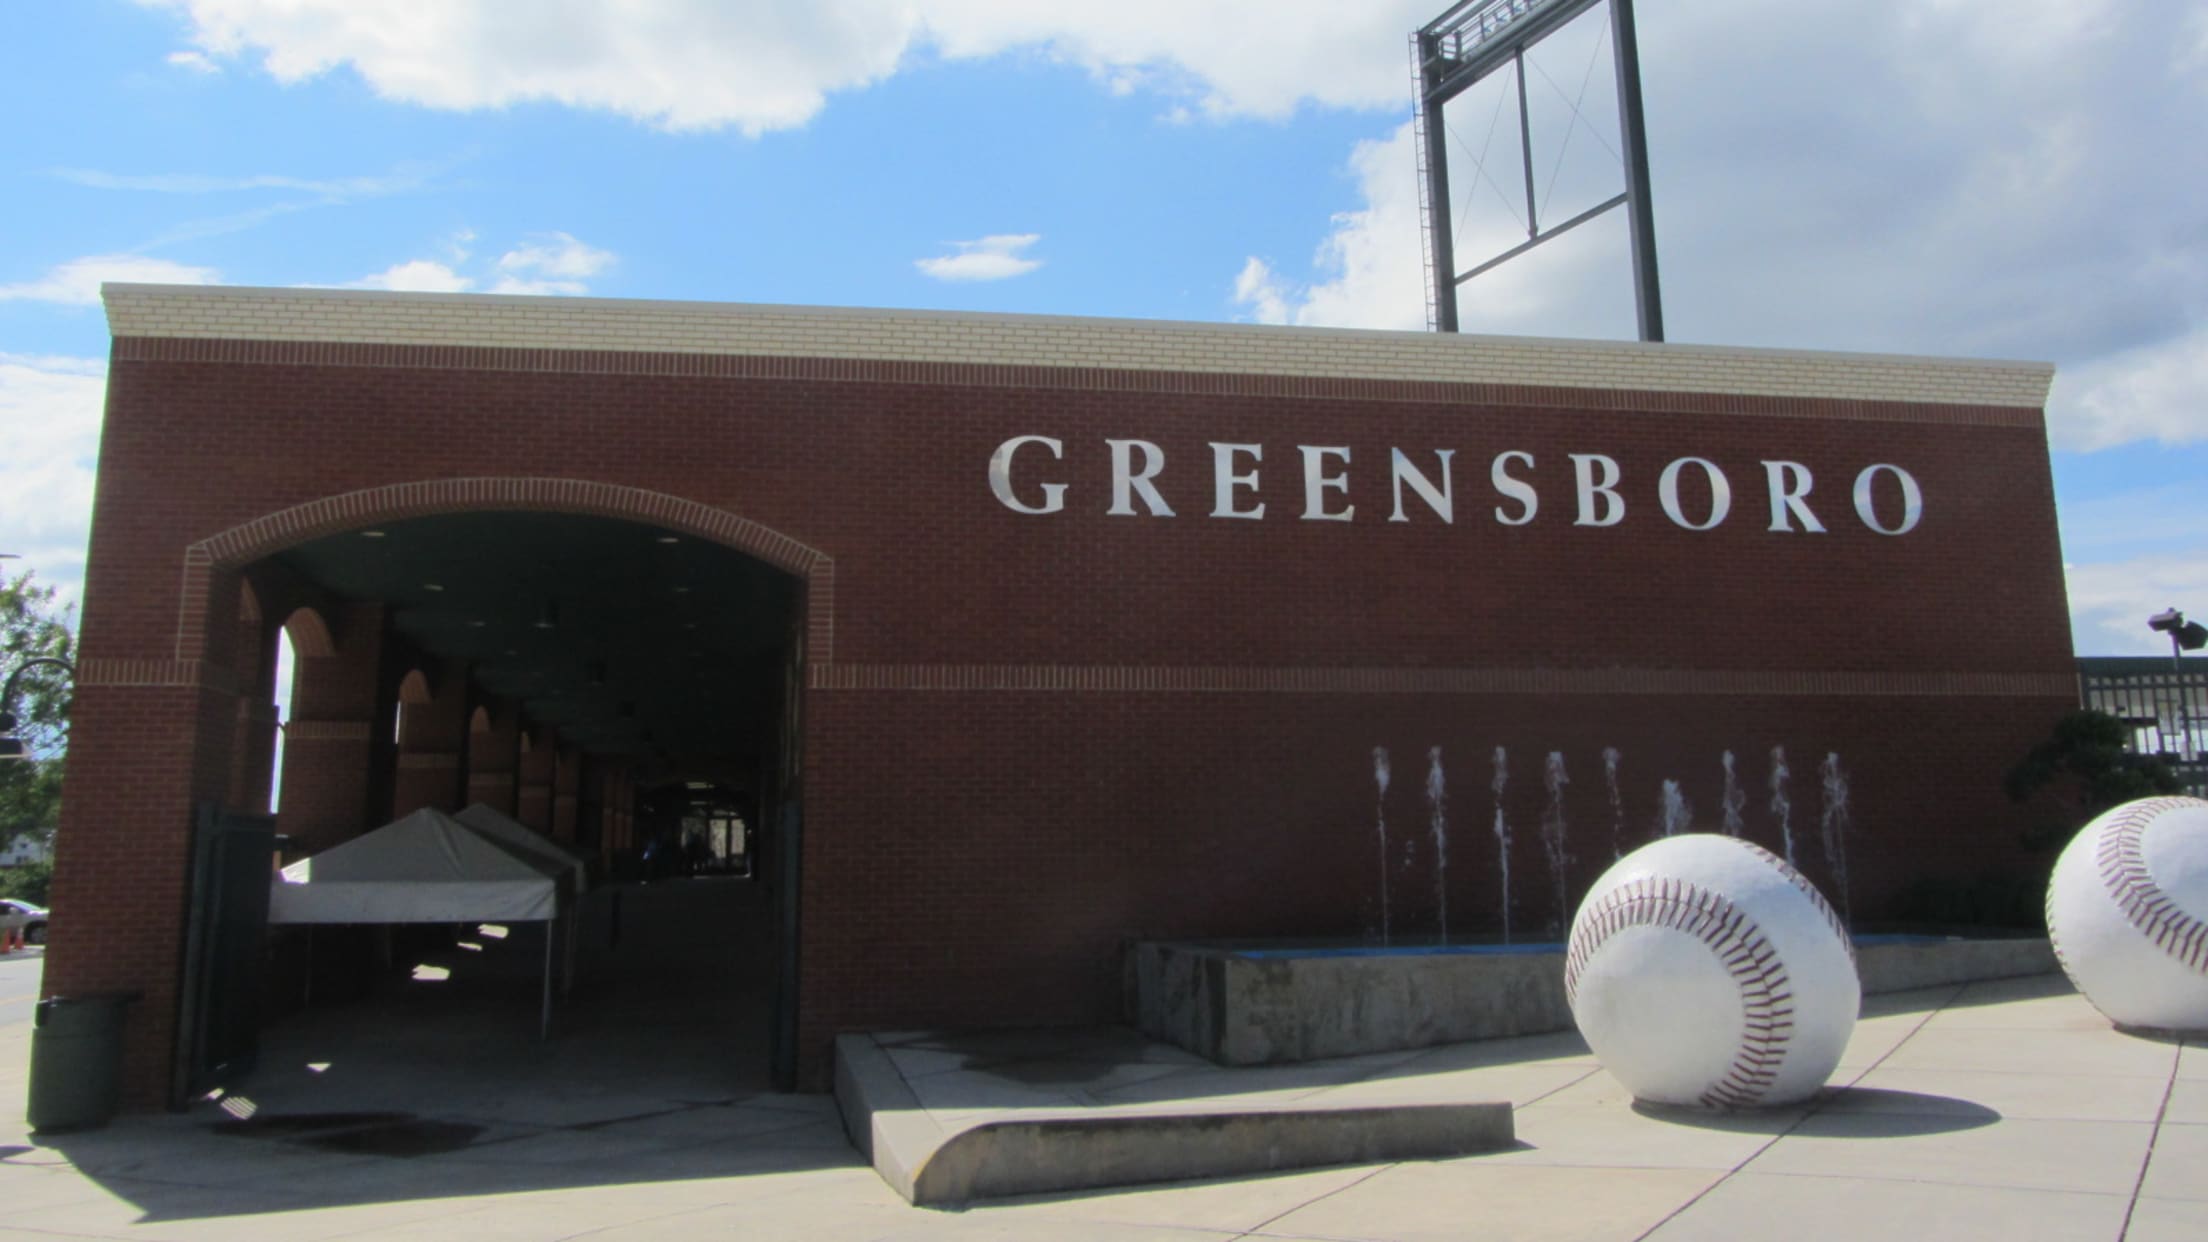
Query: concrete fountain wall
point(1243, 1004)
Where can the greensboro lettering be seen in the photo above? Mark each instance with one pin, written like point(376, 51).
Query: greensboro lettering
point(1428, 487)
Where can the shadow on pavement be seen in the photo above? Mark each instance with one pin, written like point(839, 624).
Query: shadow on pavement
point(436, 1084)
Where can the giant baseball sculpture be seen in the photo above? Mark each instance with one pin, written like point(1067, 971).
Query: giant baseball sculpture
point(1706, 972)
point(2126, 908)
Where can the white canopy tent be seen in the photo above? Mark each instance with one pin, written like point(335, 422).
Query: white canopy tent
point(426, 867)
point(507, 831)
point(521, 838)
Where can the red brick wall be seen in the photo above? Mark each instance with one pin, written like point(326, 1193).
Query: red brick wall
point(1192, 753)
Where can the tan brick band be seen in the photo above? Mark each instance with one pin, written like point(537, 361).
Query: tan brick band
point(325, 327)
point(198, 674)
point(1156, 679)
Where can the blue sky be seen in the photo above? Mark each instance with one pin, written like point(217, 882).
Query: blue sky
point(2004, 178)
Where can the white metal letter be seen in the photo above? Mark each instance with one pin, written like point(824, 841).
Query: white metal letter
point(1126, 481)
point(1912, 500)
point(1613, 505)
point(1790, 484)
point(1317, 482)
point(1442, 500)
point(1000, 475)
point(1225, 480)
point(1517, 489)
point(1721, 493)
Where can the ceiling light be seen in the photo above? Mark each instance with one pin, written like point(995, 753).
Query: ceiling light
point(548, 618)
point(371, 534)
point(667, 539)
point(433, 586)
point(477, 625)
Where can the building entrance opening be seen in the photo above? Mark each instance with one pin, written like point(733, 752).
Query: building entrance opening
point(613, 690)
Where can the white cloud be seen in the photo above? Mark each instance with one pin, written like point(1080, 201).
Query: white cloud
point(771, 64)
point(50, 412)
point(544, 264)
point(1368, 266)
point(1263, 292)
point(77, 282)
point(1883, 176)
point(550, 263)
point(996, 257)
point(197, 62)
point(2111, 601)
point(418, 276)
point(2154, 392)
point(406, 178)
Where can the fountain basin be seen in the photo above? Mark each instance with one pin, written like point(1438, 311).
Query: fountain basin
point(1248, 1003)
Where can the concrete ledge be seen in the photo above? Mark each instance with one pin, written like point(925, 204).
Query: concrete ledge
point(1017, 1151)
point(881, 1115)
point(1022, 1156)
point(1251, 1005)
point(1903, 966)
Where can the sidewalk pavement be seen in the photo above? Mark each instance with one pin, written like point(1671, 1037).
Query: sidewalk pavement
point(2005, 1110)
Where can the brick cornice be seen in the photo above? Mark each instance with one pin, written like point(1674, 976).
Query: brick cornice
point(359, 328)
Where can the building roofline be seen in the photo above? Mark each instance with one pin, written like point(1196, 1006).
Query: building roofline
point(376, 317)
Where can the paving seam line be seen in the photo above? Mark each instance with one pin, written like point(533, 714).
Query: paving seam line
point(1813, 1110)
point(1258, 1230)
point(2154, 1137)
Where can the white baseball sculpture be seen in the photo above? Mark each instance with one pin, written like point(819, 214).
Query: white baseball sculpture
point(2126, 908)
point(1704, 971)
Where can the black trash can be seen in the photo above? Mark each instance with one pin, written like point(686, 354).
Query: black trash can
point(77, 1060)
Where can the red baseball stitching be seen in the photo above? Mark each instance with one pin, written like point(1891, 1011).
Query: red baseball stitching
point(2122, 861)
point(1766, 992)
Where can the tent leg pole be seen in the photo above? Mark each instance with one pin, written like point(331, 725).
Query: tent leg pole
point(544, 1023)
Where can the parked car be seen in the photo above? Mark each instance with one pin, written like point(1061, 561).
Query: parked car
point(32, 919)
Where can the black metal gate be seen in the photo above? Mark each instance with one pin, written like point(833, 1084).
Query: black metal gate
point(226, 931)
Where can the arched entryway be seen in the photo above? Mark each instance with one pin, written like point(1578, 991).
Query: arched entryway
point(613, 668)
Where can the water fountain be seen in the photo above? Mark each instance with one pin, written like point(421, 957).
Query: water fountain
point(1380, 812)
point(1673, 814)
point(1502, 833)
point(1617, 805)
point(1832, 828)
point(1781, 808)
point(1264, 1002)
point(1552, 841)
point(1736, 800)
point(1437, 807)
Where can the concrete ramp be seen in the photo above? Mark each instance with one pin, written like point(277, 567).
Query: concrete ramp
point(950, 1119)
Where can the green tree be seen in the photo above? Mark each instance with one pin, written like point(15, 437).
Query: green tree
point(32, 625)
point(2084, 768)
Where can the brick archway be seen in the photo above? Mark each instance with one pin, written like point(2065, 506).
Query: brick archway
point(274, 532)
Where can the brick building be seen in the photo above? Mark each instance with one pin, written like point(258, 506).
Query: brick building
point(1020, 638)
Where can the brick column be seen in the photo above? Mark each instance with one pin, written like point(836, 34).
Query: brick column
point(150, 739)
point(494, 756)
point(329, 743)
point(432, 738)
point(535, 771)
point(567, 789)
point(253, 744)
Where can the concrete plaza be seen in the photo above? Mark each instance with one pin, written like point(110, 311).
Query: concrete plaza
point(2006, 1110)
